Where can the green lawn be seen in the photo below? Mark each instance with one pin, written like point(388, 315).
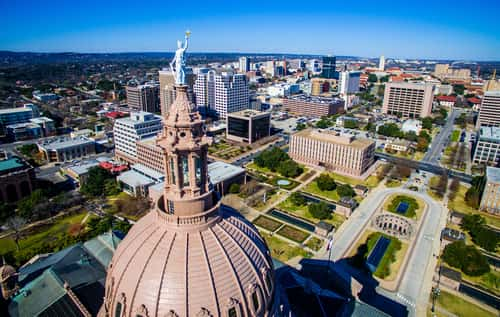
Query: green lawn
point(40, 237)
point(395, 202)
point(369, 181)
point(302, 212)
point(392, 183)
point(390, 256)
point(458, 204)
point(455, 135)
point(418, 210)
point(490, 280)
point(274, 181)
point(283, 250)
point(312, 188)
point(460, 307)
point(418, 156)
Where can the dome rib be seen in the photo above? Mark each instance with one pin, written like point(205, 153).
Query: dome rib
point(232, 268)
point(245, 255)
point(119, 252)
point(128, 263)
point(212, 282)
point(163, 273)
point(144, 268)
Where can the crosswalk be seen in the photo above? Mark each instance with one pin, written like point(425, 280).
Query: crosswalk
point(405, 300)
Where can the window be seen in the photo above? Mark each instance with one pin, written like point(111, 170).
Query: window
point(185, 171)
point(197, 162)
point(255, 301)
point(172, 170)
point(232, 312)
point(118, 310)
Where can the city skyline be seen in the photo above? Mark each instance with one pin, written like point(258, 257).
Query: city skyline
point(365, 29)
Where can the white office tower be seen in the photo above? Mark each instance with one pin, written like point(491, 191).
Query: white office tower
point(220, 94)
point(271, 68)
point(127, 131)
point(348, 83)
point(231, 94)
point(244, 64)
point(381, 63)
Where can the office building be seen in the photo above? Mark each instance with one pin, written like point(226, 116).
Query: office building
point(491, 85)
point(127, 131)
point(489, 113)
point(328, 69)
point(64, 149)
point(220, 94)
point(23, 131)
point(381, 63)
point(16, 115)
point(408, 100)
point(487, 149)
point(248, 126)
point(167, 91)
point(490, 201)
point(313, 106)
point(336, 152)
point(17, 179)
point(144, 97)
point(283, 90)
point(46, 125)
point(348, 83)
point(150, 154)
point(443, 71)
point(320, 86)
point(244, 64)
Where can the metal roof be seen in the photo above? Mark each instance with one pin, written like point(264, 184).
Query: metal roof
point(221, 171)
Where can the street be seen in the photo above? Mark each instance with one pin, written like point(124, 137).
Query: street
point(439, 142)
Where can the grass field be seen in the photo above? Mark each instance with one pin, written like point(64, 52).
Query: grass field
point(455, 135)
point(418, 211)
point(392, 183)
point(314, 243)
point(267, 223)
point(293, 234)
point(312, 188)
point(302, 212)
point(283, 250)
point(460, 307)
point(390, 257)
point(459, 204)
point(418, 156)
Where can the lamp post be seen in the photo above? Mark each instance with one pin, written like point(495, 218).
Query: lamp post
point(435, 290)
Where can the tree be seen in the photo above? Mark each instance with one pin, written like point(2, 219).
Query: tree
point(249, 188)
point(459, 89)
point(271, 158)
point(95, 183)
point(26, 206)
point(350, 124)
point(422, 144)
point(453, 189)
point(480, 233)
point(383, 171)
point(442, 184)
point(345, 190)
point(28, 150)
point(16, 223)
point(427, 123)
point(111, 187)
point(372, 78)
point(297, 199)
point(234, 188)
point(300, 126)
point(390, 129)
point(325, 182)
point(319, 210)
point(467, 258)
point(290, 168)
point(411, 136)
point(473, 197)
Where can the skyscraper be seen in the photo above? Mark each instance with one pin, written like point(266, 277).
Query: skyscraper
point(381, 63)
point(244, 64)
point(220, 94)
point(144, 97)
point(328, 69)
point(348, 83)
point(489, 113)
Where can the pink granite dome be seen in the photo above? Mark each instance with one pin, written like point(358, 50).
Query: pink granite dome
point(221, 268)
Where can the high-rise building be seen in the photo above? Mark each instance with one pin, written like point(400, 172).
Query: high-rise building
point(127, 131)
point(490, 201)
point(443, 71)
point(328, 68)
point(221, 94)
point(381, 63)
point(167, 91)
point(144, 97)
point(190, 256)
point(244, 64)
point(333, 151)
point(248, 126)
point(348, 83)
point(270, 68)
point(408, 100)
point(489, 113)
point(487, 149)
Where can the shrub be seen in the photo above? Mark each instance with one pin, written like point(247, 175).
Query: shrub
point(289, 168)
point(345, 190)
point(297, 199)
point(234, 188)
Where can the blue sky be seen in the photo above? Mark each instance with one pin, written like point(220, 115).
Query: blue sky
point(407, 29)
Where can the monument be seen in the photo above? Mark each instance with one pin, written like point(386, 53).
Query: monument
point(178, 64)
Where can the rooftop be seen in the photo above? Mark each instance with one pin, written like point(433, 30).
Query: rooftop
point(316, 99)
point(220, 171)
point(11, 164)
point(41, 120)
point(493, 174)
point(134, 178)
point(248, 113)
point(139, 117)
point(14, 110)
point(492, 133)
point(334, 137)
point(61, 143)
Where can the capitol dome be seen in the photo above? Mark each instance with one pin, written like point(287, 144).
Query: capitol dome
point(189, 256)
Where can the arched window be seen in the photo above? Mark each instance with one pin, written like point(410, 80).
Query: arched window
point(118, 310)
point(232, 312)
point(255, 301)
point(233, 308)
point(254, 298)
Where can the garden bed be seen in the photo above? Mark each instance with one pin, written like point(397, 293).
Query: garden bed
point(293, 234)
point(314, 243)
point(267, 223)
point(283, 250)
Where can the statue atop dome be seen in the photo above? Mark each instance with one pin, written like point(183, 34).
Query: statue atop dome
point(178, 63)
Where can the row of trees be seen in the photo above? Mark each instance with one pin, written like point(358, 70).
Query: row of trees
point(277, 160)
point(474, 193)
point(480, 233)
point(467, 258)
point(326, 183)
